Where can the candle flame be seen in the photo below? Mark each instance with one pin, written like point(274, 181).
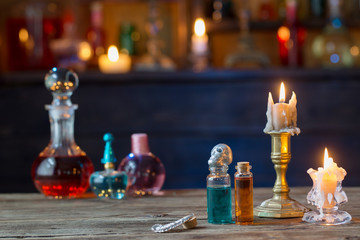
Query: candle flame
point(113, 53)
point(199, 27)
point(282, 93)
point(327, 160)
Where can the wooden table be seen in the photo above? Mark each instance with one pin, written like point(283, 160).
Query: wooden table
point(32, 216)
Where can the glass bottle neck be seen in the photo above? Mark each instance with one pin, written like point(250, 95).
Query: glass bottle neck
point(334, 9)
point(62, 125)
point(291, 11)
point(222, 170)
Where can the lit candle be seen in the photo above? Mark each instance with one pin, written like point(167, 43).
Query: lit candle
point(282, 116)
point(325, 183)
point(199, 40)
point(114, 62)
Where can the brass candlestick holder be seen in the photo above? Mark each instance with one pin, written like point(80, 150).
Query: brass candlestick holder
point(280, 205)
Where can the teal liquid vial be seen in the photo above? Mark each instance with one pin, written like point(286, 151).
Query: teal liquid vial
point(109, 183)
point(219, 186)
point(219, 205)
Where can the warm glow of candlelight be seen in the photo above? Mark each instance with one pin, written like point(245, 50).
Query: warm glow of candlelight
point(85, 51)
point(327, 160)
point(283, 34)
point(199, 27)
point(282, 93)
point(23, 35)
point(113, 53)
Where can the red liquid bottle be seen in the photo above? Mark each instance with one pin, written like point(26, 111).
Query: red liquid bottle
point(145, 171)
point(291, 37)
point(62, 169)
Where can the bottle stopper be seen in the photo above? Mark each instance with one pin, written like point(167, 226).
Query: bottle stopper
point(61, 83)
point(139, 143)
point(109, 156)
point(243, 166)
point(221, 155)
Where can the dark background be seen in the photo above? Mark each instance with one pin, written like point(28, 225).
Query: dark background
point(185, 114)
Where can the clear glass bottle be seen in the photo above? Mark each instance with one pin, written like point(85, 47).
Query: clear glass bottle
point(219, 186)
point(334, 47)
point(145, 171)
point(109, 183)
point(243, 194)
point(62, 169)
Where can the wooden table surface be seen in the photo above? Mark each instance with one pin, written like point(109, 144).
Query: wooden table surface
point(32, 216)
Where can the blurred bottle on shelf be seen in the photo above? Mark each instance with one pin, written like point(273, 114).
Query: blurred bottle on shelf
point(70, 50)
point(29, 30)
point(317, 8)
point(246, 55)
point(154, 59)
point(128, 37)
point(291, 36)
point(96, 34)
point(334, 48)
point(281, 9)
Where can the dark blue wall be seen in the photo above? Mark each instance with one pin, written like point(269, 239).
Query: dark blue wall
point(185, 115)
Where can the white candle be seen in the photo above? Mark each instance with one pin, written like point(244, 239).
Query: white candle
point(326, 180)
point(113, 62)
point(282, 116)
point(199, 40)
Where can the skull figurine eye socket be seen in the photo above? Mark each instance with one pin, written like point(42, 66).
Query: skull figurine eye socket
point(219, 150)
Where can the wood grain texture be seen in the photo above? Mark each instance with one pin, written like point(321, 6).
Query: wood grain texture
point(31, 216)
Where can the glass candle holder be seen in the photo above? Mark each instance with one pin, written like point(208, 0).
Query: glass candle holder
point(327, 195)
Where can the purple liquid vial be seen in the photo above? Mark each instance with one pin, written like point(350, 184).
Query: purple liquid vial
point(145, 171)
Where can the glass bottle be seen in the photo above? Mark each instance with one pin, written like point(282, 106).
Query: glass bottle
point(291, 37)
point(145, 171)
point(96, 34)
point(219, 185)
point(246, 55)
point(243, 194)
point(334, 47)
point(109, 183)
point(317, 8)
point(62, 169)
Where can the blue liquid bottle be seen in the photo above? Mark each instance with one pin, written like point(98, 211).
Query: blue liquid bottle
point(109, 183)
point(219, 186)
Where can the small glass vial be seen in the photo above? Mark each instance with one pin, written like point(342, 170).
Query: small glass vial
point(109, 183)
point(219, 186)
point(243, 194)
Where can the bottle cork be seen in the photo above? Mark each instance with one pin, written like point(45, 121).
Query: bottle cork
point(243, 166)
point(139, 143)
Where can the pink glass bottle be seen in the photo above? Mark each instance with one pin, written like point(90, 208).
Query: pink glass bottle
point(145, 171)
point(62, 169)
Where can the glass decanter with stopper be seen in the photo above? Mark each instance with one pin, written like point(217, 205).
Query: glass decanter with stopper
point(109, 183)
point(145, 171)
point(62, 169)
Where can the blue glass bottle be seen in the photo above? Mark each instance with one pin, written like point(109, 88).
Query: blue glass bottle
point(219, 186)
point(109, 183)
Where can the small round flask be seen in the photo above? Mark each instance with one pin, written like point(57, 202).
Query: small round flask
point(62, 169)
point(109, 183)
point(145, 171)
